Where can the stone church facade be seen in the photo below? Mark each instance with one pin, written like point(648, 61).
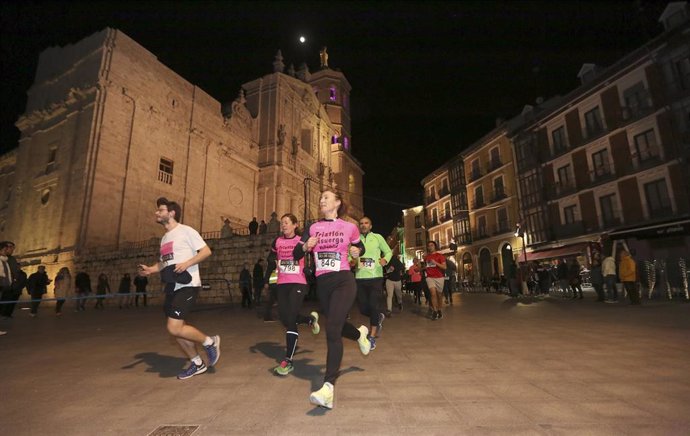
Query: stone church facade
point(108, 129)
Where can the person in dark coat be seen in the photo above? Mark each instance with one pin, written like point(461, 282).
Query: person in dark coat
point(574, 278)
point(258, 280)
point(102, 288)
point(140, 283)
point(82, 283)
point(263, 227)
point(246, 286)
point(253, 226)
point(12, 279)
point(37, 285)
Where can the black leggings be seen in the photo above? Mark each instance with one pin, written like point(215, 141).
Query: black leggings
point(369, 293)
point(336, 292)
point(290, 297)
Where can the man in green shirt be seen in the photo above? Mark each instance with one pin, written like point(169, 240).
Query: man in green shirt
point(369, 276)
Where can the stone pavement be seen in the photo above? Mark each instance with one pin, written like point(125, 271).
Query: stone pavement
point(491, 366)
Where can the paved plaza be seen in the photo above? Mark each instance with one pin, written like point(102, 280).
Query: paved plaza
point(493, 365)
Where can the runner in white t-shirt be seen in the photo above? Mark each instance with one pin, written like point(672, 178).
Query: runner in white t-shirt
point(182, 249)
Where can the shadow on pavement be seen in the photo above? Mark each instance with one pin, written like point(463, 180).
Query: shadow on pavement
point(164, 366)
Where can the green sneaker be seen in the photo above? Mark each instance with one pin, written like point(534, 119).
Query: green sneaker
point(284, 368)
point(315, 328)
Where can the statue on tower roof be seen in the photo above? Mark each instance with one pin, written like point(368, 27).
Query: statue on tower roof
point(324, 57)
point(278, 65)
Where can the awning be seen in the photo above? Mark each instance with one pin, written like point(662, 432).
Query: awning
point(568, 250)
point(658, 230)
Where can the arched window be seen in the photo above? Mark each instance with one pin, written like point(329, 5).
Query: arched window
point(333, 94)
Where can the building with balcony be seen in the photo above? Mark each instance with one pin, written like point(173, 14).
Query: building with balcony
point(414, 233)
point(611, 154)
point(438, 210)
point(493, 204)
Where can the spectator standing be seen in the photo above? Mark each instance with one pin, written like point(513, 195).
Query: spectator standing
point(263, 227)
point(608, 269)
point(140, 284)
point(82, 283)
point(246, 286)
point(12, 279)
point(258, 280)
point(562, 273)
point(273, 224)
point(226, 230)
point(627, 272)
point(37, 285)
point(62, 288)
point(596, 277)
point(415, 283)
point(574, 278)
point(124, 291)
point(450, 280)
point(394, 271)
point(102, 288)
point(253, 226)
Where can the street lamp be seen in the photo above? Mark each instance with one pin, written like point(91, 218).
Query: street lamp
point(520, 233)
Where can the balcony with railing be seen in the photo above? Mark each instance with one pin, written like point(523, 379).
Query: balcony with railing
point(567, 230)
point(602, 173)
point(430, 199)
point(611, 220)
point(478, 203)
point(475, 174)
point(443, 192)
point(560, 189)
point(499, 194)
point(493, 164)
point(502, 227)
point(480, 234)
point(446, 216)
point(165, 177)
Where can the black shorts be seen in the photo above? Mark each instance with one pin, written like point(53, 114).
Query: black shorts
point(179, 303)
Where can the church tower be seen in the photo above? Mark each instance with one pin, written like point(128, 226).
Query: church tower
point(333, 91)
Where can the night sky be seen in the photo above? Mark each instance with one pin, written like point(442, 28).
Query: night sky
point(428, 78)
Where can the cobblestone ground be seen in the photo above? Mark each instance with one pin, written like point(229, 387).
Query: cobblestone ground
point(492, 366)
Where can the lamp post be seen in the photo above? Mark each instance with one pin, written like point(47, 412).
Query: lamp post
point(520, 233)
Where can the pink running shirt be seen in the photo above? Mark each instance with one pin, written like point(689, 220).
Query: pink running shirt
point(335, 237)
point(289, 269)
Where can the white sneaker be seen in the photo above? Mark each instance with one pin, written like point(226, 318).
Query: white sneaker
point(2, 333)
point(323, 397)
point(363, 341)
point(315, 328)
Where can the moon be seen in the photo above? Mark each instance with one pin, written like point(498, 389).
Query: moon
point(302, 39)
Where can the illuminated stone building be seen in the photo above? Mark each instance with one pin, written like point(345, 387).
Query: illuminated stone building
point(108, 129)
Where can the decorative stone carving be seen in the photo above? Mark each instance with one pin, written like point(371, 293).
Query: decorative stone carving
point(295, 146)
point(281, 134)
point(235, 196)
point(278, 65)
point(238, 111)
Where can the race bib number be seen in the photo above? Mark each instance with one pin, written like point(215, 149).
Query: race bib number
point(289, 267)
point(328, 261)
point(431, 264)
point(367, 263)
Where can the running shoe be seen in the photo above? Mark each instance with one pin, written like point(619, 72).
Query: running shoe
point(363, 341)
point(372, 341)
point(213, 351)
point(193, 370)
point(315, 328)
point(284, 368)
point(323, 397)
point(439, 315)
point(382, 318)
